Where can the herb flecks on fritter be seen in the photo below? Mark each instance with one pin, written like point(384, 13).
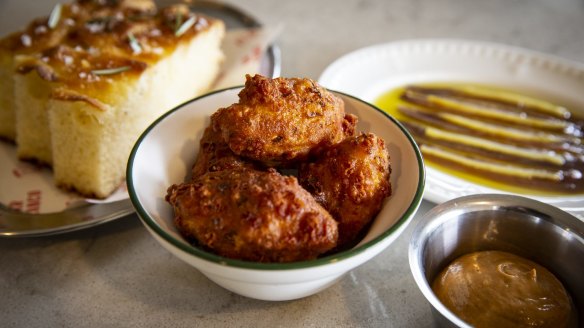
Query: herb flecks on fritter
point(253, 215)
point(350, 180)
point(215, 155)
point(281, 121)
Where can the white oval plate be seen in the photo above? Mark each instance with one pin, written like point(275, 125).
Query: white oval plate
point(369, 72)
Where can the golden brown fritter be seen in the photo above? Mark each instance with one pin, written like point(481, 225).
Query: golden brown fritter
point(350, 180)
point(214, 155)
point(253, 215)
point(280, 121)
point(349, 125)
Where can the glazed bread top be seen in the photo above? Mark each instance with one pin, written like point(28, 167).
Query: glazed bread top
point(105, 43)
point(45, 32)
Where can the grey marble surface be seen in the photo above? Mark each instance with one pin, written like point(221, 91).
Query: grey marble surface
point(116, 275)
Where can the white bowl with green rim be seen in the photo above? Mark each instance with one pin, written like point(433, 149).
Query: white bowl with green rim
point(165, 152)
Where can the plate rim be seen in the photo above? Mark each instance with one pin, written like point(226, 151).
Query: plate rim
point(422, 44)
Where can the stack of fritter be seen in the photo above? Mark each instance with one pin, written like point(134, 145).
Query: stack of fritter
point(239, 206)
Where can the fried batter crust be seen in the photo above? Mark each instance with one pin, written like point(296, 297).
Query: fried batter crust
point(215, 155)
point(350, 180)
point(280, 121)
point(349, 125)
point(253, 215)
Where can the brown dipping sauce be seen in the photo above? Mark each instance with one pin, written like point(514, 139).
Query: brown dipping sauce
point(499, 289)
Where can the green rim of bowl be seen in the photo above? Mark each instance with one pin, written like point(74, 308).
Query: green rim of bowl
point(220, 260)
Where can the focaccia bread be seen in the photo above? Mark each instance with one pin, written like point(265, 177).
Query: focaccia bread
point(43, 33)
point(107, 80)
point(38, 35)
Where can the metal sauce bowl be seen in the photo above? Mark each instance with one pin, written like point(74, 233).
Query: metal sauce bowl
point(528, 228)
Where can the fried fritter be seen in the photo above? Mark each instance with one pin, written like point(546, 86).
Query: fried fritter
point(350, 180)
point(280, 121)
point(214, 155)
point(253, 215)
point(349, 125)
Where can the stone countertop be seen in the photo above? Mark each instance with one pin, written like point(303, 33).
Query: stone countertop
point(116, 275)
